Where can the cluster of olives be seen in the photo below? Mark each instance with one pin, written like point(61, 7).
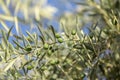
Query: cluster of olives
point(59, 39)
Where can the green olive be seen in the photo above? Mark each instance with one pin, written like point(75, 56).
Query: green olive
point(29, 67)
point(73, 32)
point(57, 62)
point(44, 68)
point(60, 40)
point(82, 75)
point(49, 52)
point(53, 62)
point(28, 48)
point(57, 35)
point(46, 46)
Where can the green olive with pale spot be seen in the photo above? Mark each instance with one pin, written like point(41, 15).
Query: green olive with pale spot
point(60, 40)
point(46, 46)
point(73, 32)
point(57, 35)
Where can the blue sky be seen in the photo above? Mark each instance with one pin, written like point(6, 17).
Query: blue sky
point(61, 5)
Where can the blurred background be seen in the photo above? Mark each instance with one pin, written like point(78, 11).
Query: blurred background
point(25, 14)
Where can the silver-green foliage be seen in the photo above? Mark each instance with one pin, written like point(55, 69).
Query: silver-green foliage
point(70, 55)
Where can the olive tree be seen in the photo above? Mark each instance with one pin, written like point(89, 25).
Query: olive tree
point(70, 54)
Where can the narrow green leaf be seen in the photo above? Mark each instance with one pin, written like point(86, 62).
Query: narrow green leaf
point(30, 35)
point(23, 41)
point(89, 46)
point(26, 63)
point(26, 40)
point(100, 34)
point(53, 31)
point(65, 30)
point(17, 37)
point(42, 39)
point(8, 35)
point(49, 35)
point(4, 38)
point(10, 64)
point(41, 31)
point(18, 44)
point(4, 25)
